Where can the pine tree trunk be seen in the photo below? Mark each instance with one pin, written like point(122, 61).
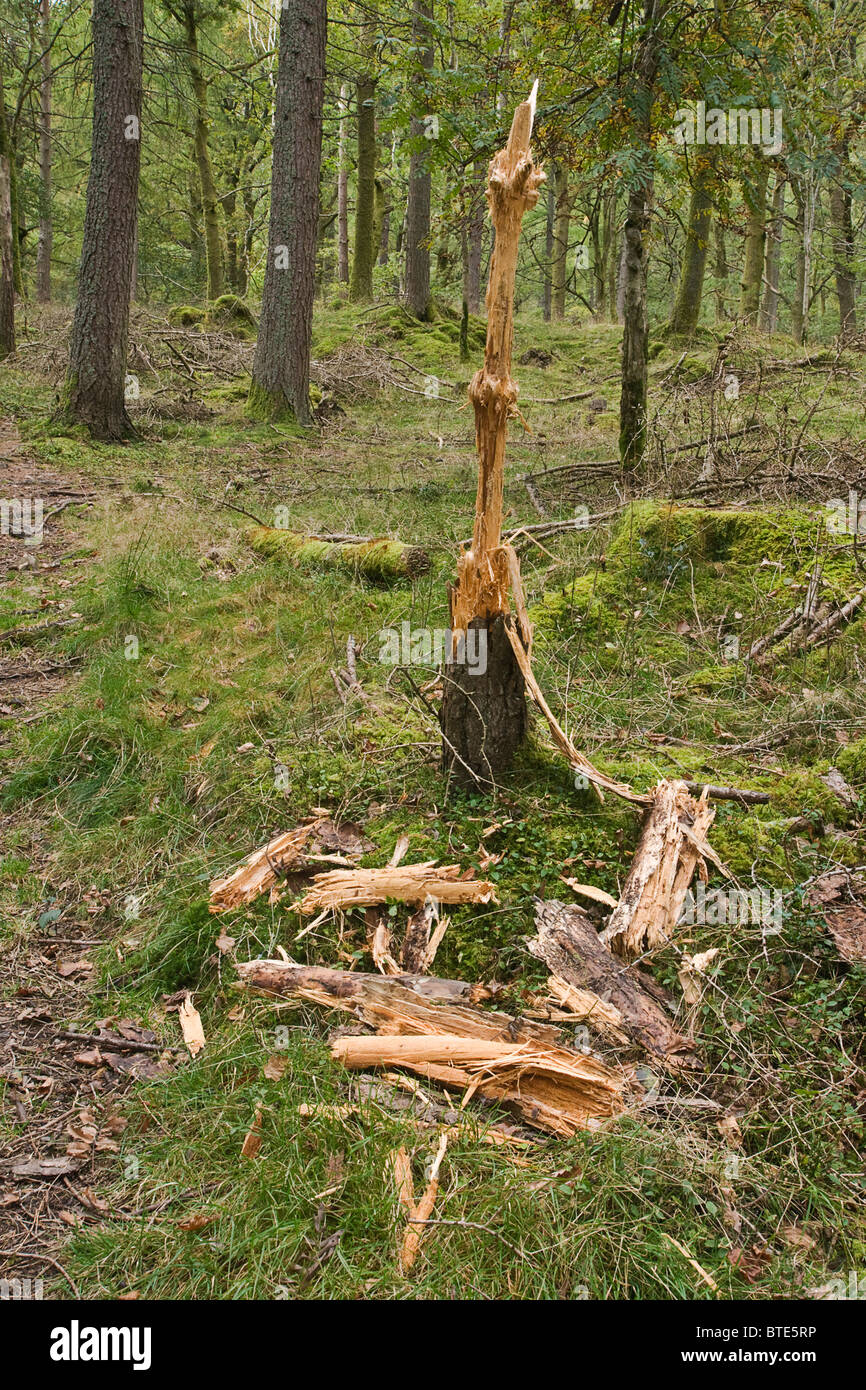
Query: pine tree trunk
point(7, 276)
point(804, 222)
point(843, 246)
point(687, 307)
point(46, 231)
point(94, 390)
point(721, 273)
point(281, 367)
point(635, 337)
point(755, 195)
point(7, 153)
point(561, 224)
point(773, 260)
point(343, 191)
point(417, 280)
point(364, 258)
point(475, 234)
point(209, 198)
point(550, 220)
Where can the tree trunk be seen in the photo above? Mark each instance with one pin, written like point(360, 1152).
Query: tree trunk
point(475, 234)
point(94, 389)
point(773, 259)
point(7, 153)
point(46, 236)
point(843, 245)
point(721, 272)
point(281, 367)
point(417, 281)
point(562, 220)
point(209, 198)
point(755, 195)
point(687, 307)
point(804, 222)
point(7, 276)
point(550, 221)
point(635, 337)
point(483, 707)
point(361, 282)
point(343, 191)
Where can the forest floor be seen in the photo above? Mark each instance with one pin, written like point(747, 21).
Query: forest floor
point(167, 706)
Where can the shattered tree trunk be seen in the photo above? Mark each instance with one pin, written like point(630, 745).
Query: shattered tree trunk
point(484, 714)
point(672, 845)
point(429, 1028)
point(617, 1001)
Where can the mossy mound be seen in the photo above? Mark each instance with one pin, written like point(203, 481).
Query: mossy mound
point(186, 316)
point(233, 315)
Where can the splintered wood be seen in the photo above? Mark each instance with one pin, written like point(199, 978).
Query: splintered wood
point(258, 873)
point(411, 883)
point(610, 997)
point(424, 1024)
point(671, 846)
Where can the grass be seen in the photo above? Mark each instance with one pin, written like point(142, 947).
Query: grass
point(144, 786)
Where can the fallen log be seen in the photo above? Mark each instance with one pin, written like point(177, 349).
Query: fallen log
point(612, 998)
point(672, 845)
point(742, 794)
point(553, 1087)
point(411, 883)
point(375, 557)
point(259, 871)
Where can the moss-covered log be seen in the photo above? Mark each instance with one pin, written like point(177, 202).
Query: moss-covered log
point(374, 557)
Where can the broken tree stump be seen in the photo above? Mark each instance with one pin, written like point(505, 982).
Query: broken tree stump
point(484, 714)
point(611, 997)
point(672, 845)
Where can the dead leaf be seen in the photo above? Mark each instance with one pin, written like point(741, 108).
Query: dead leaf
point(274, 1068)
point(75, 967)
point(224, 943)
point(750, 1264)
point(848, 928)
point(197, 1221)
point(729, 1129)
point(253, 1141)
point(190, 1024)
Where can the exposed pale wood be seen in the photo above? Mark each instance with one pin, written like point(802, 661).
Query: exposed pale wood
point(571, 948)
point(412, 883)
point(672, 845)
point(553, 1087)
point(259, 870)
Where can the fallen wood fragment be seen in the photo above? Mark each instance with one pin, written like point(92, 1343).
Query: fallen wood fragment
point(259, 870)
point(422, 939)
point(552, 1087)
point(374, 557)
point(412, 883)
point(190, 1025)
point(672, 845)
point(416, 1213)
point(743, 794)
point(571, 948)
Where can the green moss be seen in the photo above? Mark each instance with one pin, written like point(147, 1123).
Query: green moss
point(186, 315)
point(851, 762)
point(232, 315)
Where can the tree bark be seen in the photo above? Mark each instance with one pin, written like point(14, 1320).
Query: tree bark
point(281, 367)
point(550, 220)
point(843, 245)
point(687, 307)
point(417, 281)
point(561, 225)
point(361, 282)
point(343, 191)
point(721, 273)
point(635, 338)
point(484, 711)
point(773, 259)
point(475, 236)
point(94, 389)
point(755, 195)
point(7, 275)
point(210, 200)
point(46, 231)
